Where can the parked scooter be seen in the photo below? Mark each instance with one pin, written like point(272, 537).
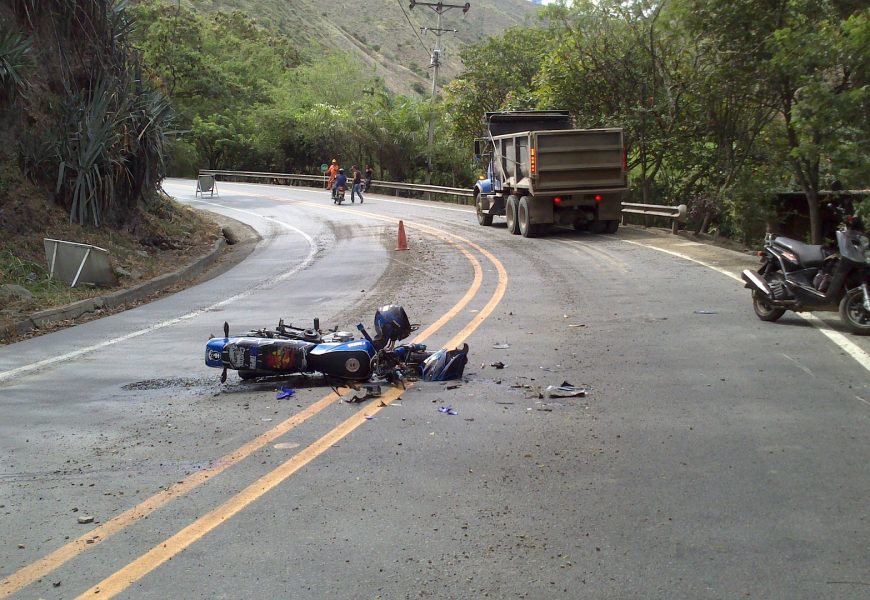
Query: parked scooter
point(288, 350)
point(808, 278)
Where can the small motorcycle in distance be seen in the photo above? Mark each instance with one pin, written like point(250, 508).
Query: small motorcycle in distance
point(808, 278)
point(339, 195)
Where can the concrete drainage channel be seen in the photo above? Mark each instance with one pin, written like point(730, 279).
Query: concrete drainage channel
point(233, 232)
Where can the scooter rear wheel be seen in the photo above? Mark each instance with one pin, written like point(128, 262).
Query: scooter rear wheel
point(764, 310)
point(853, 313)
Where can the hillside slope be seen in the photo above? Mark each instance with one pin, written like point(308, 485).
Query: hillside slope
point(384, 34)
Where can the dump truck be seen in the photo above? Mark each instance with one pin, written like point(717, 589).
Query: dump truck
point(541, 171)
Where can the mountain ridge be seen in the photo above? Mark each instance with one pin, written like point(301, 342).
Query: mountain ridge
point(384, 35)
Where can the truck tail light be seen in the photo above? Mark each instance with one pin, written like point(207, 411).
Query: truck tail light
point(533, 161)
point(599, 197)
point(557, 200)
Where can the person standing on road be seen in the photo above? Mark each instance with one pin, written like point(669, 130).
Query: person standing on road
point(357, 181)
point(368, 178)
point(331, 174)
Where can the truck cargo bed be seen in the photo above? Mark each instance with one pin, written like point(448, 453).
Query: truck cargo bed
point(563, 161)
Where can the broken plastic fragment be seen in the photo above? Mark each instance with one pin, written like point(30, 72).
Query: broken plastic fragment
point(501, 345)
point(284, 392)
point(448, 410)
point(373, 390)
point(498, 365)
point(566, 390)
point(706, 312)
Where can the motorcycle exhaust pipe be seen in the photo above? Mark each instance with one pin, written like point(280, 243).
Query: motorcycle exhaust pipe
point(754, 282)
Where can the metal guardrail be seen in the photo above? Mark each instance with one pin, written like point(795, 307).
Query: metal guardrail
point(678, 214)
point(321, 179)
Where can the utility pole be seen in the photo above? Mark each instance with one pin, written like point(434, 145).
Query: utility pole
point(440, 8)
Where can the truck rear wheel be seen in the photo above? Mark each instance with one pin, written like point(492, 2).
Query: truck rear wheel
point(524, 219)
point(510, 213)
point(611, 226)
point(483, 218)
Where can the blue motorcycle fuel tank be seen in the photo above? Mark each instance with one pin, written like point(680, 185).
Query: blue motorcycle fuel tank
point(348, 360)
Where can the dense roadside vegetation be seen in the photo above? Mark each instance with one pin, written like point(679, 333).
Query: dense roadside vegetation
point(82, 152)
point(724, 103)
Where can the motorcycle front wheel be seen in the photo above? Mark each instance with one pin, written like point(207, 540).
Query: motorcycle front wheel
point(764, 310)
point(853, 313)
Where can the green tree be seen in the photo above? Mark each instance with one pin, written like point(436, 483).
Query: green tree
point(499, 74)
point(807, 58)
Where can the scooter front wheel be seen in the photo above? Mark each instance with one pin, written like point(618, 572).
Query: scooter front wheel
point(853, 313)
point(764, 309)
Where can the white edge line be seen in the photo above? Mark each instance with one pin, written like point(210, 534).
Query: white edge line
point(6, 375)
point(844, 343)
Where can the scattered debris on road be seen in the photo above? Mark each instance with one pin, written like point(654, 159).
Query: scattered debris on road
point(85, 520)
point(497, 365)
point(501, 345)
point(284, 392)
point(372, 390)
point(448, 410)
point(566, 390)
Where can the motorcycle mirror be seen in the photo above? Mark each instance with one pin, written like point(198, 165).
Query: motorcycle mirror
point(316, 324)
point(363, 331)
point(226, 329)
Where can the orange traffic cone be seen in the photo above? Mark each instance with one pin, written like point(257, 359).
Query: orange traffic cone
point(403, 241)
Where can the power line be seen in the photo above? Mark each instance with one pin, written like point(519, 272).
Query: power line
point(413, 27)
point(440, 8)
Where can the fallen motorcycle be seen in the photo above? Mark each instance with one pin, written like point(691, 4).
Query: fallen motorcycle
point(807, 278)
point(289, 350)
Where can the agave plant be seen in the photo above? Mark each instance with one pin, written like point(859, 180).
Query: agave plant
point(88, 162)
point(144, 143)
point(14, 60)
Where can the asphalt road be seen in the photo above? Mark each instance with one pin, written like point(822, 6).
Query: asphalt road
point(716, 456)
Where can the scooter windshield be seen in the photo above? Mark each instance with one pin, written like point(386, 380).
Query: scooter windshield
point(852, 245)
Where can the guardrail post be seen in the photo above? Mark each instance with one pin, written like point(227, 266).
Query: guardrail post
point(682, 212)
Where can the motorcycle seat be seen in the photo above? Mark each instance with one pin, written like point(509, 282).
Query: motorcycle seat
point(809, 255)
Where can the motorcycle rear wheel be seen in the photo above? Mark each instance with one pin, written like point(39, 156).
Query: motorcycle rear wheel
point(764, 310)
point(853, 313)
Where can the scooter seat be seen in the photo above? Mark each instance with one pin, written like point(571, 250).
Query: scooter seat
point(809, 255)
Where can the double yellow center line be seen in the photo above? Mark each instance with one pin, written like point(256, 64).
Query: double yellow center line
point(149, 561)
